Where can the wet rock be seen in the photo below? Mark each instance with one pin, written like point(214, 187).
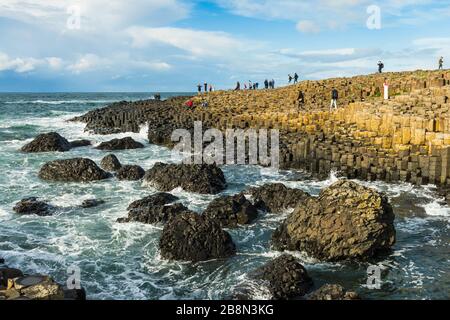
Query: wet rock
point(130, 173)
point(38, 287)
point(47, 142)
point(203, 179)
point(74, 294)
point(276, 197)
point(2, 261)
point(80, 143)
point(91, 203)
point(32, 206)
point(231, 211)
point(191, 237)
point(7, 274)
point(72, 170)
point(285, 277)
point(332, 292)
point(120, 144)
point(110, 163)
point(346, 221)
point(157, 208)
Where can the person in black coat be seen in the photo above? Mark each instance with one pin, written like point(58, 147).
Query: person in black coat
point(334, 98)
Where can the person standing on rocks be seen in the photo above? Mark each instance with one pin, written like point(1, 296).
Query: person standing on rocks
point(301, 99)
point(266, 84)
point(334, 98)
point(295, 78)
point(290, 78)
point(238, 86)
point(380, 66)
point(441, 63)
point(206, 87)
point(199, 87)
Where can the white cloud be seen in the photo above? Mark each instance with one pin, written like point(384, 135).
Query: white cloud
point(308, 26)
point(333, 14)
point(19, 65)
point(96, 15)
point(196, 42)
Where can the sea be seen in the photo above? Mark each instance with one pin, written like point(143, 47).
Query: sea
point(122, 261)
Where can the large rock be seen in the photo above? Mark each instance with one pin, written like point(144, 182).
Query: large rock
point(37, 287)
point(47, 142)
point(110, 163)
point(285, 277)
point(80, 143)
point(72, 170)
point(190, 237)
point(333, 292)
point(7, 274)
point(203, 179)
point(157, 208)
point(276, 197)
point(120, 144)
point(32, 206)
point(130, 173)
point(231, 211)
point(346, 221)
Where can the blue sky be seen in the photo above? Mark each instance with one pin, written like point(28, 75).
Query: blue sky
point(172, 45)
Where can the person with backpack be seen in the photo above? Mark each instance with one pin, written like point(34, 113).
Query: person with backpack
point(334, 98)
point(380, 66)
point(295, 78)
point(238, 86)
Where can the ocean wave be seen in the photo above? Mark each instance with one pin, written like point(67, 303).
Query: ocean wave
point(58, 102)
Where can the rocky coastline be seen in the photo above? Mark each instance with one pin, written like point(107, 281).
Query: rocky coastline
point(346, 222)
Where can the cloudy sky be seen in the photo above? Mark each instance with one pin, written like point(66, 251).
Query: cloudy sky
point(171, 45)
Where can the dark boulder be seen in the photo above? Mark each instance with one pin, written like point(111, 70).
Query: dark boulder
point(332, 292)
point(346, 221)
point(203, 179)
point(130, 173)
point(32, 206)
point(190, 237)
point(91, 203)
point(80, 143)
point(120, 144)
point(72, 170)
point(157, 208)
point(47, 142)
point(285, 277)
point(158, 199)
point(8, 273)
point(231, 211)
point(276, 197)
point(110, 163)
point(74, 294)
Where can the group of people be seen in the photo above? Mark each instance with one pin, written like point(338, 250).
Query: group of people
point(268, 84)
point(205, 87)
point(295, 78)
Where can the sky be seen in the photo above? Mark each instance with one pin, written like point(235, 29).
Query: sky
point(172, 45)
